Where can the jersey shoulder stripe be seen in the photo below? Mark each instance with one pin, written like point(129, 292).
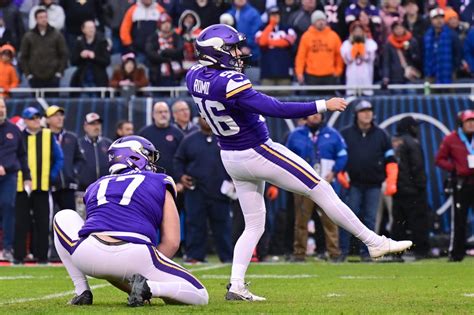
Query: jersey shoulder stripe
point(234, 87)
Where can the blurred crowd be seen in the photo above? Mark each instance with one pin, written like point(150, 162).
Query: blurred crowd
point(130, 44)
point(45, 168)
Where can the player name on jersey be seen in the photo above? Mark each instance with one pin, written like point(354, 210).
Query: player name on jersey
point(201, 87)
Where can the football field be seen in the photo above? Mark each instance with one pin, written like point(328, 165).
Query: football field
point(430, 286)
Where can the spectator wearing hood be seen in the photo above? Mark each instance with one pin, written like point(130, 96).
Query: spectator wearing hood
point(275, 41)
point(56, 16)
point(324, 148)
point(318, 60)
point(410, 205)
point(139, 23)
point(248, 22)
point(189, 28)
point(13, 21)
point(8, 75)
point(164, 52)
point(91, 57)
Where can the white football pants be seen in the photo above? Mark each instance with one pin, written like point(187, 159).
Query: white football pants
point(117, 263)
point(274, 163)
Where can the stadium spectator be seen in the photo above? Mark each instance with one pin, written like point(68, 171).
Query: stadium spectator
point(276, 41)
point(391, 12)
point(94, 148)
point(371, 160)
point(56, 16)
point(451, 18)
point(198, 164)
point(164, 53)
point(77, 12)
point(301, 19)
point(189, 27)
point(5, 33)
point(8, 75)
point(66, 184)
point(442, 50)
point(139, 23)
point(335, 10)
point(114, 12)
point(207, 10)
point(182, 117)
point(417, 25)
point(129, 75)
point(354, 10)
point(467, 13)
point(45, 160)
point(400, 57)
point(323, 147)
point(248, 22)
point(318, 60)
point(12, 160)
point(359, 53)
point(456, 155)
point(410, 204)
point(43, 53)
point(91, 56)
point(287, 7)
point(164, 136)
point(13, 22)
point(124, 128)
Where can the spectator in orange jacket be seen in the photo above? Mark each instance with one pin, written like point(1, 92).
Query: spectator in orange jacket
point(138, 24)
point(318, 60)
point(8, 75)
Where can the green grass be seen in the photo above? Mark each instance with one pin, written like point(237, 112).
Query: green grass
point(431, 286)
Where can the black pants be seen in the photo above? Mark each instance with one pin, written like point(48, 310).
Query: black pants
point(464, 198)
point(411, 220)
point(64, 199)
point(38, 203)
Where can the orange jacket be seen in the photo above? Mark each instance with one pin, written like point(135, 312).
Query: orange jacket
point(8, 77)
point(319, 53)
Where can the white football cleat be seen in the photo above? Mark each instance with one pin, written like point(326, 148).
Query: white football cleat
point(241, 294)
point(389, 246)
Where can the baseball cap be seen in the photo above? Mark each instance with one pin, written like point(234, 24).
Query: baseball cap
point(436, 12)
point(273, 9)
point(318, 15)
point(467, 114)
point(363, 105)
point(30, 112)
point(53, 110)
point(92, 117)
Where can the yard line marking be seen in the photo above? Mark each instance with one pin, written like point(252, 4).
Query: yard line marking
point(50, 296)
point(468, 294)
point(262, 276)
point(23, 277)
point(334, 295)
point(209, 267)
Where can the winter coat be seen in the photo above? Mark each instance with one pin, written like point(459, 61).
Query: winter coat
point(97, 65)
point(14, 23)
point(392, 66)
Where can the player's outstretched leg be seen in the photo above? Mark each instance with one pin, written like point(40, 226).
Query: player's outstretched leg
point(66, 225)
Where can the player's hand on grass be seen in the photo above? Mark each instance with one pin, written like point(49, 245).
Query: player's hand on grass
point(336, 104)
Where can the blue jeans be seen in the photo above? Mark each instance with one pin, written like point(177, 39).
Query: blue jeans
point(364, 202)
point(199, 209)
point(7, 208)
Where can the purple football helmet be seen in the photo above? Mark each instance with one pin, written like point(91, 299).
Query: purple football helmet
point(214, 46)
point(133, 152)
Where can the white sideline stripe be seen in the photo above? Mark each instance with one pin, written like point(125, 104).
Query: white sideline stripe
point(334, 295)
point(208, 267)
point(49, 296)
point(469, 295)
point(23, 277)
point(262, 276)
point(365, 277)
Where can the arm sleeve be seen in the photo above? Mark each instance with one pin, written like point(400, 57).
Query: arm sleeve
point(126, 28)
point(300, 58)
point(338, 62)
point(23, 157)
point(389, 153)
point(79, 158)
point(62, 54)
point(469, 49)
point(443, 158)
point(341, 155)
point(170, 186)
point(457, 51)
point(259, 103)
point(58, 158)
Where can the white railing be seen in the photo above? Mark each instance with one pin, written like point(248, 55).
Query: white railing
point(176, 91)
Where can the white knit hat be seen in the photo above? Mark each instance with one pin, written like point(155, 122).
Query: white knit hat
point(318, 15)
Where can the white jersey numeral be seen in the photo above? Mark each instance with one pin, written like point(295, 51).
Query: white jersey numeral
point(137, 179)
point(216, 122)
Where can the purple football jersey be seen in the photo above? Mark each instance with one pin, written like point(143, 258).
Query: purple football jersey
point(129, 202)
point(233, 109)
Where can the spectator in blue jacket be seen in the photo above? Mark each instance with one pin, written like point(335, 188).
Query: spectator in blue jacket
point(248, 22)
point(323, 147)
point(275, 41)
point(198, 165)
point(469, 51)
point(442, 50)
